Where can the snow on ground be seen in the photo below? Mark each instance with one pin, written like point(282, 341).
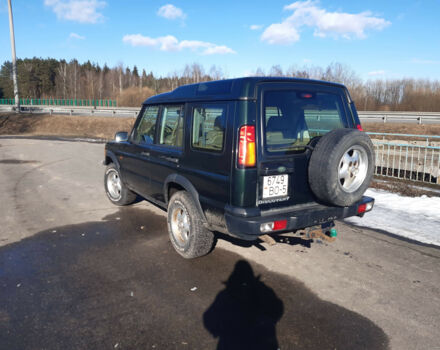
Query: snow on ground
point(415, 218)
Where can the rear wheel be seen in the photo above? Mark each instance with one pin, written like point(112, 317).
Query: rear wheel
point(116, 191)
point(187, 233)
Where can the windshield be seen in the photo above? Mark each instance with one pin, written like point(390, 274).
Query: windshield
point(292, 118)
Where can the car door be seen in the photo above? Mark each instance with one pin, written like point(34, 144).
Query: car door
point(168, 149)
point(207, 163)
point(292, 117)
point(136, 155)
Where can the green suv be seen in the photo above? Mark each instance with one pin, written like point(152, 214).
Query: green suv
point(246, 157)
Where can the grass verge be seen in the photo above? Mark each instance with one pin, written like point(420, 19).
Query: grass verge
point(63, 126)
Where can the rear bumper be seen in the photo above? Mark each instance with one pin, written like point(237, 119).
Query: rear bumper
point(248, 228)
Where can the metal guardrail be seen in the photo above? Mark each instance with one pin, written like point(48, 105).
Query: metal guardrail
point(385, 117)
point(128, 112)
point(402, 117)
point(406, 156)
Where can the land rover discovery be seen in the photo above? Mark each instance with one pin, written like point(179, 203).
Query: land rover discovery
point(246, 157)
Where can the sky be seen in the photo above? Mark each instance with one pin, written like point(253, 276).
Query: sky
point(377, 39)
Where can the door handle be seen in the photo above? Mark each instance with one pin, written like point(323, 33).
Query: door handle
point(171, 159)
point(146, 154)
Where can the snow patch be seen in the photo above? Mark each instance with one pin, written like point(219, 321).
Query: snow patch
point(414, 218)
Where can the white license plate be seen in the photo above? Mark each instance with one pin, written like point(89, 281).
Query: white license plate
point(275, 186)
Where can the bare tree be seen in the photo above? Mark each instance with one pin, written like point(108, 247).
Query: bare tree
point(62, 74)
point(276, 71)
point(60, 79)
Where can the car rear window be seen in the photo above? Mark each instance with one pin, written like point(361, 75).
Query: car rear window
point(293, 118)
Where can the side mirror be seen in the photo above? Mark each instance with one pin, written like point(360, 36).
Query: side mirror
point(121, 136)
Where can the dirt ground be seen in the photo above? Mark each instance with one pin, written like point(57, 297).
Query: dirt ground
point(63, 126)
point(105, 127)
point(405, 187)
point(402, 128)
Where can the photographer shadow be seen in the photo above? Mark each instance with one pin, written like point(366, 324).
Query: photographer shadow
point(245, 313)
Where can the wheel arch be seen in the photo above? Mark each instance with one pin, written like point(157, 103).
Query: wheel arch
point(176, 182)
point(110, 157)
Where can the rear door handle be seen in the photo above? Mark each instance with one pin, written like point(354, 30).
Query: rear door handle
point(276, 171)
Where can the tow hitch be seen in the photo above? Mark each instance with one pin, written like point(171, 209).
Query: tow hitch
point(326, 232)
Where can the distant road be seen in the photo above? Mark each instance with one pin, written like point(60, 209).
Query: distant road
point(130, 112)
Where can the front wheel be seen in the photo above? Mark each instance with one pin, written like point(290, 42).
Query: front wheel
point(189, 237)
point(116, 191)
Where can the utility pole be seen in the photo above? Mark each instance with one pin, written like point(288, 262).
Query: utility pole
point(14, 60)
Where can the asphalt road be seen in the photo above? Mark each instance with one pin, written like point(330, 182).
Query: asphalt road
point(79, 273)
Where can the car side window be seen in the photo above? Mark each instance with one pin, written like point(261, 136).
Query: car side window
point(146, 129)
point(208, 127)
point(171, 126)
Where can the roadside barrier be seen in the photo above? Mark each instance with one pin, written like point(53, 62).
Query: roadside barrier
point(406, 156)
point(58, 106)
point(400, 156)
point(127, 112)
point(400, 117)
point(59, 102)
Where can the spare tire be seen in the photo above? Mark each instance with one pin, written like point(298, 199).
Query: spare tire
point(341, 167)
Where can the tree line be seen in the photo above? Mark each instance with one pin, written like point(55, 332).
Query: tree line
point(52, 78)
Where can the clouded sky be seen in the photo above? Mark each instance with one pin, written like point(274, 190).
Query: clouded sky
point(385, 39)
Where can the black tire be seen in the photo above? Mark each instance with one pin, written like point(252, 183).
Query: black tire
point(121, 196)
point(190, 241)
point(336, 180)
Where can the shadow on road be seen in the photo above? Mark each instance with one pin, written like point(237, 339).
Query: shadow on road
point(118, 283)
point(245, 313)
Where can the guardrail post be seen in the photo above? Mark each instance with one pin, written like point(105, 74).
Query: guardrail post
point(50, 111)
point(420, 120)
point(71, 112)
point(384, 118)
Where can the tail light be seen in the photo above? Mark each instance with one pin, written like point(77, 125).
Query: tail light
point(359, 127)
point(363, 208)
point(273, 226)
point(246, 147)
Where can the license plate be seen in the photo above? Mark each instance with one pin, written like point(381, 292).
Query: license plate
point(275, 186)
